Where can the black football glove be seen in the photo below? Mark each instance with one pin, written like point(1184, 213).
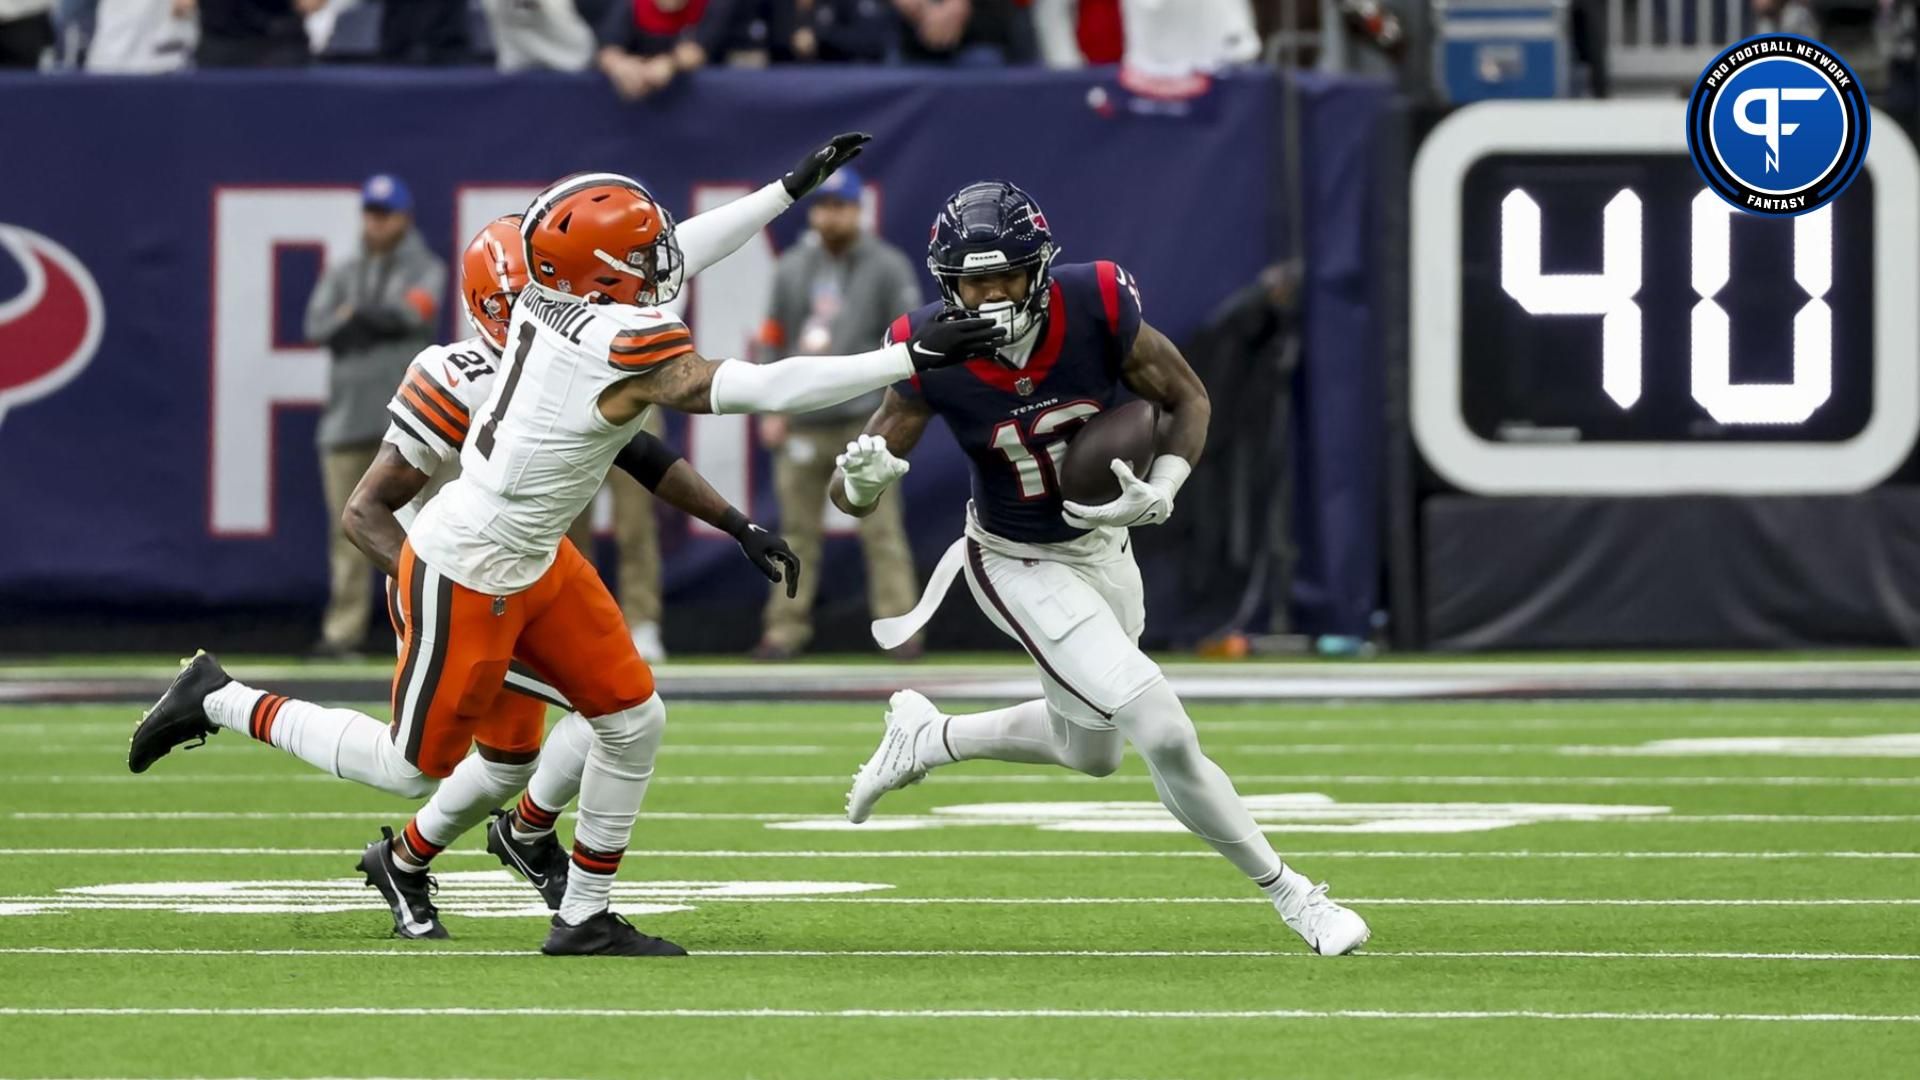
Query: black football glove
point(953, 339)
point(814, 169)
point(767, 552)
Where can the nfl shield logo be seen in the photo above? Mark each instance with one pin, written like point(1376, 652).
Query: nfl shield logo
point(1023, 386)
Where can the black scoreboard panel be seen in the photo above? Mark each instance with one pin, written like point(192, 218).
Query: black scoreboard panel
point(1527, 376)
point(1587, 318)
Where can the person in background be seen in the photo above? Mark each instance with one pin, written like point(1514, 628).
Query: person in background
point(835, 31)
point(134, 37)
point(26, 32)
point(967, 33)
point(251, 33)
point(552, 35)
point(373, 312)
point(833, 293)
point(1075, 33)
point(646, 44)
point(421, 33)
point(636, 538)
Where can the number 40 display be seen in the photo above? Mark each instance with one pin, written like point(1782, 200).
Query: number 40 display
point(1610, 295)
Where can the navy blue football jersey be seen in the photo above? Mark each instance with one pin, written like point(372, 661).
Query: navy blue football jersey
point(1014, 423)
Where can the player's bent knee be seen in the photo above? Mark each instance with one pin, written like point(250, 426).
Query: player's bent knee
point(636, 729)
point(1157, 725)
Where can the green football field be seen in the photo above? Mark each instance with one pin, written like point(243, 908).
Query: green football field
point(1555, 889)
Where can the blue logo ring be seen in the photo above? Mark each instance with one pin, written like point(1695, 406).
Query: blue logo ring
point(1778, 125)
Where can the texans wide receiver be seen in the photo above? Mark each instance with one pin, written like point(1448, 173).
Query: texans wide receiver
point(1057, 576)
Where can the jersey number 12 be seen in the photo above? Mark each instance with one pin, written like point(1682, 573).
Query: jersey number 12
point(1038, 474)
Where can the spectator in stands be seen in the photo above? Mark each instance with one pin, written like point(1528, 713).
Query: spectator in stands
point(251, 33)
point(373, 312)
point(26, 32)
point(646, 44)
point(1785, 17)
point(1075, 33)
point(554, 35)
point(969, 33)
point(421, 33)
point(134, 37)
point(833, 293)
point(835, 31)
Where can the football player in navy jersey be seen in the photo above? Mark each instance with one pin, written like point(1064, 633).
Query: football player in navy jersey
point(1057, 576)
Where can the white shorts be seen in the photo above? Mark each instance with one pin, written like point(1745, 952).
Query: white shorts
point(1079, 620)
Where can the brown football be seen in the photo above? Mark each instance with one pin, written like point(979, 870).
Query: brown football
point(1127, 433)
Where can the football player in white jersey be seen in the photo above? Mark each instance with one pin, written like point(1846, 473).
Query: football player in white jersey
point(485, 575)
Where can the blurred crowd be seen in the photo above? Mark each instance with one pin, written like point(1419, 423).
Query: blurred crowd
point(641, 46)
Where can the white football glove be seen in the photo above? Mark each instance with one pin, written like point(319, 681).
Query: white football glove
point(1140, 502)
point(869, 468)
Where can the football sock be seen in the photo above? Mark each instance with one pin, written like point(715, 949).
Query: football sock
point(348, 744)
point(1287, 888)
point(531, 821)
point(1194, 789)
point(611, 788)
point(563, 759)
point(1028, 732)
point(411, 852)
point(476, 786)
point(589, 892)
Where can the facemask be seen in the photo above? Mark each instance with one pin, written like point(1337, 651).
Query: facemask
point(1017, 323)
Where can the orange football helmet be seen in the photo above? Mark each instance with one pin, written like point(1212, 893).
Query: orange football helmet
point(602, 236)
point(493, 270)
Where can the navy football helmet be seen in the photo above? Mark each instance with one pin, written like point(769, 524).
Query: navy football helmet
point(988, 228)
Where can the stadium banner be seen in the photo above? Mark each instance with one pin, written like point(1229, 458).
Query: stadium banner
point(161, 240)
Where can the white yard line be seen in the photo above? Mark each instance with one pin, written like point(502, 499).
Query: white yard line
point(156, 816)
point(116, 903)
point(1091, 954)
point(981, 1014)
point(839, 780)
point(1010, 853)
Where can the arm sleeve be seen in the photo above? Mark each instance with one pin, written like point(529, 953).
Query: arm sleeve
point(323, 310)
point(707, 238)
point(805, 383)
point(647, 459)
point(897, 333)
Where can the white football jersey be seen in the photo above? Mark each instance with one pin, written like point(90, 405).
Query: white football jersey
point(432, 411)
point(539, 447)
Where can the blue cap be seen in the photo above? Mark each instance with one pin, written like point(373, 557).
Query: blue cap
point(386, 192)
point(845, 185)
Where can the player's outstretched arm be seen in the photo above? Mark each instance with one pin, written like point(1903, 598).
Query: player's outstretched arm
point(390, 483)
point(658, 469)
point(707, 238)
point(691, 383)
point(898, 423)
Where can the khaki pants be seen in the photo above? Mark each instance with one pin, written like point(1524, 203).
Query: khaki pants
point(636, 535)
point(349, 599)
point(801, 469)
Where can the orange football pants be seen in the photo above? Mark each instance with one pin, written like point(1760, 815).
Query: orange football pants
point(456, 645)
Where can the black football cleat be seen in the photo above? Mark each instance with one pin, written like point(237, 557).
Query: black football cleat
point(409, 895)
point(178, 717)
point(606, 934)
point(542, 862)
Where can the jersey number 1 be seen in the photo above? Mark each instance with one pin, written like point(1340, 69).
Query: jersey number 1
point(484, 441)
point(1038, 474)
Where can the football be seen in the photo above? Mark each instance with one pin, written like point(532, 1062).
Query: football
point(1127, 433)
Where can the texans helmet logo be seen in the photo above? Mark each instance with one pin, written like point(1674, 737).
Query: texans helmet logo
point(50, 330)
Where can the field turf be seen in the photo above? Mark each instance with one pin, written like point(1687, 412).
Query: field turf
point(1710, 911)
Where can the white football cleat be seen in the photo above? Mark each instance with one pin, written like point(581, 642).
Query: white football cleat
point(646, 642)
point(894, 763)
point(1326, 927)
